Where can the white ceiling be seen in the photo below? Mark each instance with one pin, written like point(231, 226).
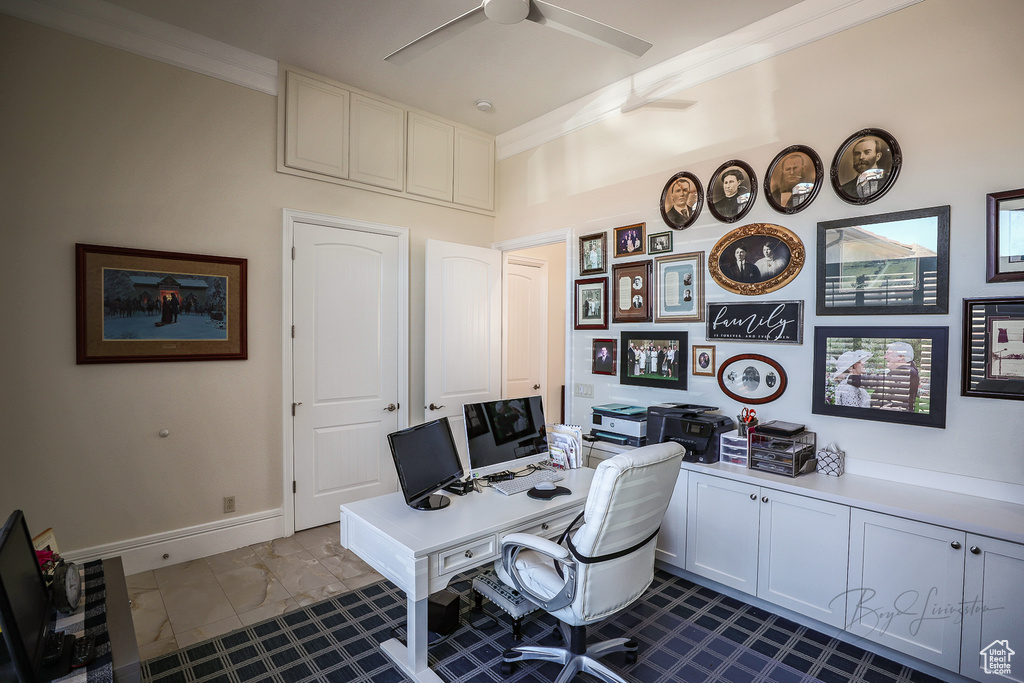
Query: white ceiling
point(525, 70)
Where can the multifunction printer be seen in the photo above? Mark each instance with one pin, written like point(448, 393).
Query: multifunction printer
point(697, 428)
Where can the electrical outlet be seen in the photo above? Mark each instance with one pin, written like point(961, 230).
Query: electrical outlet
point(229, 504)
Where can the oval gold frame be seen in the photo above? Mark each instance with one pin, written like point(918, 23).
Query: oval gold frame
point(758, 233)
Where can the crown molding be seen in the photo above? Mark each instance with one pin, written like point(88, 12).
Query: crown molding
point(130, 31)
point(791, 28)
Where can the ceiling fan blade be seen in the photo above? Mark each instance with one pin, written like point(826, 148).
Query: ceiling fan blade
point(437, 36)
point(588, 29)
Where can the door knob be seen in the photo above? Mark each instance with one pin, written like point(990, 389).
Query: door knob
point(433, 407)
point(392, 407)
point(536, 386)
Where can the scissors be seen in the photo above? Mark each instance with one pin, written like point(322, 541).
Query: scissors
point(748, 415)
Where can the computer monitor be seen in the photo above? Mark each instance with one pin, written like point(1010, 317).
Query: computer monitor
point(503, 435)
point(25, 606)
point(426, 459)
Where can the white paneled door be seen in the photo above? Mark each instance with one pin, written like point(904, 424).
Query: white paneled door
point(346, 359)
point(525, 325)
point(462, 319)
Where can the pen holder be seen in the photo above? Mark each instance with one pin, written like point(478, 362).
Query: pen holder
point(742, 427)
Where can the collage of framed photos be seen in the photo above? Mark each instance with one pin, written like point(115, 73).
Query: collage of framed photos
point(893, 264)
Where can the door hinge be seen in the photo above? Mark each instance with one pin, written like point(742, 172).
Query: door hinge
point(293, 253)
point(294, 488)
point(294, 406)
point(293, 331)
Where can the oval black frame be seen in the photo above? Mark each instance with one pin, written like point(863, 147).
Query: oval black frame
point(894, 158)
point(774, 364)
point(819, 178)
point(715, 181)
point(697, 206)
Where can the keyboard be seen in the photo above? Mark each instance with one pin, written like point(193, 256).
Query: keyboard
point(525, 483)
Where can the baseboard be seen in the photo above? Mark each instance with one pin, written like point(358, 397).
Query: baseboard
point(181, 545)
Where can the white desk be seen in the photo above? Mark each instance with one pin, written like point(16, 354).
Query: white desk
point(420, 551)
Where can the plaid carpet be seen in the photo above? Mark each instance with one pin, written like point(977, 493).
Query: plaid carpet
point(686, 633)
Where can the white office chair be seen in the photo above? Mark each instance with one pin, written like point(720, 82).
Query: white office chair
point(608, 562)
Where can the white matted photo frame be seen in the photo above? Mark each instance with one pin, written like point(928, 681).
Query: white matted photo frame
point(591, 309)
point(679, 288)
point(704, 360)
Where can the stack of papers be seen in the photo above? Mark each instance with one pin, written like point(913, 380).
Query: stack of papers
point(565, 445)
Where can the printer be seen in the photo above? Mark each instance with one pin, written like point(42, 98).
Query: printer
point(619, 423)
point(697, 428)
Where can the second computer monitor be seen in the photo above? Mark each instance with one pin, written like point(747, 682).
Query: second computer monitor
point(504, 435)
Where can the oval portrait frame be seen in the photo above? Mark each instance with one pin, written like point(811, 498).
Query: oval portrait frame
point(754, 237)
point(716, 191)
point(667, 215)
point(752, 378)
point(812, 163)
point(844, 176)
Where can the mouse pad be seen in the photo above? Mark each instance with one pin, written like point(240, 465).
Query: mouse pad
point(545, 495)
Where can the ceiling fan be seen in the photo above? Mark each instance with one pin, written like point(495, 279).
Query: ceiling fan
point(515, 11)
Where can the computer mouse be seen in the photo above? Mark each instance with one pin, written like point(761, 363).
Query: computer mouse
point(546, 486)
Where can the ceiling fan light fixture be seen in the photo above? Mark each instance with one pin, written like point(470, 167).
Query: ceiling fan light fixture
point(506, 11)
point(484, 105)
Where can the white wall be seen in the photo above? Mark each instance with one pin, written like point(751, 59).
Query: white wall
point(946, 78)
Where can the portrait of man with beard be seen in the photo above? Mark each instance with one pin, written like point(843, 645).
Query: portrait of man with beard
point(866, 167)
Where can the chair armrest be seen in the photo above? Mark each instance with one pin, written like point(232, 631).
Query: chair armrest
point(512, 544)
point(541, 545)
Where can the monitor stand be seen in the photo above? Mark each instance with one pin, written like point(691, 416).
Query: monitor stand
point(434, 501)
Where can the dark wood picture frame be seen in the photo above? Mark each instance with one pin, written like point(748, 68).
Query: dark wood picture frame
point(885, 158)
point(731, 209)
point(704, 360)
point(1005, 212)
point(681, 203)
point(910, 275)
point(752, 378)
point(889, 389)
point(594, 254)
point(784, 248)
point(992, 365)
point(769, 322)
point(630, 240)
point(591, 304)
point(606, 363)
point(632, 373)
point(144, 306)
point(631, 292)
point(659, 243)
point(793, 179)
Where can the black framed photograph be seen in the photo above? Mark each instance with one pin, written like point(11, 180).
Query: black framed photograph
point(653, 358)
point(631, 292)
point(866, 166)
point(594, 254)
point(885, 374)
point(680, 288)
point(703, 360)
point(793, 179)
point(605, 357)
point(510, 419)
point(772, 322)
point(887, 264)
point(756, 259)
point(752, 378)
point(681, 200)
point(140, 305)
point(659, 243)
point(993, 348)
point(1005, 262)
point(732, 191)
point(629, 240)
point(591, 304)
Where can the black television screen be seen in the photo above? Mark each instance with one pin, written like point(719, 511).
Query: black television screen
point(24, 601)
point(426, 460)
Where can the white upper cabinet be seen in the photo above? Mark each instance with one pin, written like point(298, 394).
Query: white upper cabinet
point(378, 143)
point(431, 158)
point(474, 169)
point(316, 137)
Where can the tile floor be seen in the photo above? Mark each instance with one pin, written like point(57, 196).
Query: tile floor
point(186, 603)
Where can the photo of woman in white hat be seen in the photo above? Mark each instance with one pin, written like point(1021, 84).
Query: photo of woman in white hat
point(849, 368)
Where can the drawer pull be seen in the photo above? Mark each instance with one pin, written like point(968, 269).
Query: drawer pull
point(544, 526)
point(955, 545)
point(753, 496)
point(976, 550)
point(764, 499)
point(469, 553)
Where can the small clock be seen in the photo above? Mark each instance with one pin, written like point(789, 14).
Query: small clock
point(67, 587)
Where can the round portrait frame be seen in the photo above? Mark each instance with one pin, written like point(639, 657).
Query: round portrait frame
point(842, 165)
point(695, 208)
point(715, 190)
point(755, 235)
point(760, 363)
point(775, 171)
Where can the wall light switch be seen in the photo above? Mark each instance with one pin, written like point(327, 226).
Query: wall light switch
point(584, 390)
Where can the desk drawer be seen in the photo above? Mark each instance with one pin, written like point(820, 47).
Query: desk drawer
point(549, 528)
point(467, 556)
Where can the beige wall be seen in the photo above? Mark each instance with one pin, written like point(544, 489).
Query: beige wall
point(946, 78)
point(103, 147)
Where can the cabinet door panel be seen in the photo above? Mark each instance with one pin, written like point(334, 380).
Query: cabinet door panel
point(905, 576)
point(803, 555)
point(672, 537)
point(721, 531)
point(316, 126)
point(430, 157)
point(474, 170)
point(378, 143)
point(993, 609)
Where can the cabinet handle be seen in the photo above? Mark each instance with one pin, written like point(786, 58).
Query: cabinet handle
point(764, 499)
point(753, 496)
point(469, 553)
point(955, 545)
point(976, 550)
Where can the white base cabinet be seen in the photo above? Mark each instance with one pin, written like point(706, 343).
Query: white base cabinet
point(671, 546)
point(993, 610)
